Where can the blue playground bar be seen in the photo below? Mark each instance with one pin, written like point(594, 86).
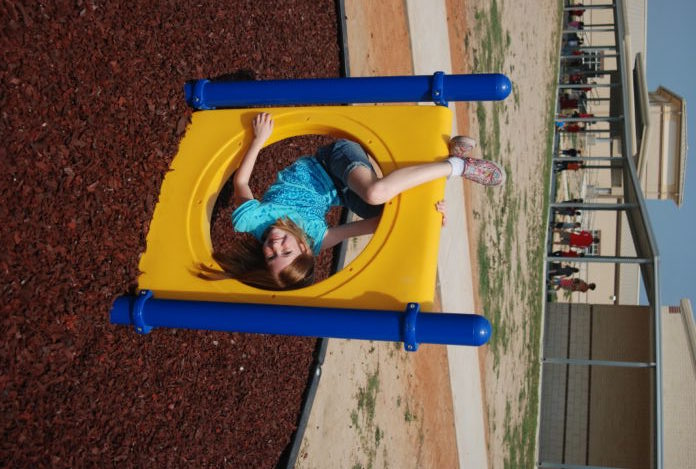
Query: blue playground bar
point(410, 327)
point(438, 88)
point(145, 312)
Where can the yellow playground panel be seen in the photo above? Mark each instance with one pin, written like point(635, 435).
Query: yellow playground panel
point(397, 266)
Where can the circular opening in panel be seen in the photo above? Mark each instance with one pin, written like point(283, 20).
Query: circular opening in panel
point(227, 243)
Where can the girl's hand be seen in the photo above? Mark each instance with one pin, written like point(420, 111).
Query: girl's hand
point(442, 208)
point(263, 127)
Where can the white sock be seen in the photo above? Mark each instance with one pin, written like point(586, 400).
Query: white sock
point(458, 166)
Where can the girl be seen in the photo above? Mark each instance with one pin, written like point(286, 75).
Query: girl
point(289, 223)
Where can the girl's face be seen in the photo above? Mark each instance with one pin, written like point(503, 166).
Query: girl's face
point(280, 248)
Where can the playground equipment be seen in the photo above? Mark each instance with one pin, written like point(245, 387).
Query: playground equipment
point(438, 88)
point(379, 294)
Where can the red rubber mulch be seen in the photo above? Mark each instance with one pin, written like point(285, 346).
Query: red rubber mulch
point(91, 113)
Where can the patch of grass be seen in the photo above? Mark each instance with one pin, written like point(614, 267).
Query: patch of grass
point(493, 43)
point(483, 267)
point(495, 137)
point(503, 260)
point(367, 396)
point(379, 435)
point(481, 118)
point(354, 418)
point(362, 418)
point(522, 439)
point(409, 416)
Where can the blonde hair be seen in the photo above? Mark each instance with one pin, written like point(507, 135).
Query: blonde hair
point(247, 263)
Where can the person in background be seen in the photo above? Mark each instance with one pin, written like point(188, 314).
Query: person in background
point(556, 269)
point(572, 152)
point(572, 284)
point(581, 239)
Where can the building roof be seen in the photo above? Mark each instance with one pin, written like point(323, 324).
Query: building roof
point(636, 25)
point(642, 115)
point(683, 143)
point(679, 383)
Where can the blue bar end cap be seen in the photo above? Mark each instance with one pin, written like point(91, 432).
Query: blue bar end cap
point(194, 94)
point(503, 86)
point(482, 331)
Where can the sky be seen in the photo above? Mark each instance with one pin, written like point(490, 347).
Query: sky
point(671, 62)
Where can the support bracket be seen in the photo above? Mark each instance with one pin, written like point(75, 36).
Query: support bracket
point(412, 310)
point(138, 318)
point(438, 90)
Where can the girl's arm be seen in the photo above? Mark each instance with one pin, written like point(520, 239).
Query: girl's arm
point(263, 127)
point(338, 234)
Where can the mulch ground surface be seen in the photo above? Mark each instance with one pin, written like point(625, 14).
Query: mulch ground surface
point(91, 112)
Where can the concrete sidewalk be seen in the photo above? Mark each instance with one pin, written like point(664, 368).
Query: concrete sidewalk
point(430, 45)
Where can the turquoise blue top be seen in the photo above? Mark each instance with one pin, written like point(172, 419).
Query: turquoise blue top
point(302, 192)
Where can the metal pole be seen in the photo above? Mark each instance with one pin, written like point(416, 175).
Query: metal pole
point(591, 72)
point(576, 69)
point(581, 206)
point(145, 313)
point(580, 159)
point(577, 361)
point(595, 48)
point(570, 86)
point(597, 166)
point(589, 119)
point(604, 6)
point(603, 56)
point(551, 465)
point(584, 131)
point(438, 88)
point(600, 25)
point(590, 30)
point(600, 259)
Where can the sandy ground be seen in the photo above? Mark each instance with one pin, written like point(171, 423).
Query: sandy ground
point(510, 223)
point(377, 406)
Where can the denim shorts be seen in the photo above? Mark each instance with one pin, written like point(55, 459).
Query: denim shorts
point(338, 159)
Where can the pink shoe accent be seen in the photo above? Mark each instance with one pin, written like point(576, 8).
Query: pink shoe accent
point(461, 146)
point(486, 172)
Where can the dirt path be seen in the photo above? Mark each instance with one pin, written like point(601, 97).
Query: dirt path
point(507, 226)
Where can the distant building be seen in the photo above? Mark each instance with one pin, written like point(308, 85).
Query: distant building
point(662, 173)
point(618, 380)
point(587, 409)
point(679, 385)
point(658, 130)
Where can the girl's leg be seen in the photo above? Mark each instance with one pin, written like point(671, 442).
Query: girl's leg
point(377, 191)
point(348, 163)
